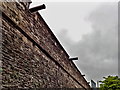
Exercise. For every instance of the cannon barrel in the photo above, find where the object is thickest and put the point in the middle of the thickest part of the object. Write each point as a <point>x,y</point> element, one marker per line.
<point>83,75</point>
<point>76,58</point>
<point>34,9</point>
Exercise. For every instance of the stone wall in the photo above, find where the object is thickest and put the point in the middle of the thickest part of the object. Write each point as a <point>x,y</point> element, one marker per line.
<point>32,57</point>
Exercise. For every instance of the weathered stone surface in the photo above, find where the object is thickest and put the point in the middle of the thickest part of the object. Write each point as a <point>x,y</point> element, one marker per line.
<point>31,55</point>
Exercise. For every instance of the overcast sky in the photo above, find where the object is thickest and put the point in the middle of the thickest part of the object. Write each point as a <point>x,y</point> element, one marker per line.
<point>88,30</point>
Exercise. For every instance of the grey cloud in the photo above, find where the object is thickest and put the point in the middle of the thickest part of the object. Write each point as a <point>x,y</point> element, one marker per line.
<point>97,51</point>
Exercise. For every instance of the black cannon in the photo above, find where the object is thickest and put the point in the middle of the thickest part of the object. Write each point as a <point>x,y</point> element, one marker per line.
<point>34,9</point>
<point>76,58</point>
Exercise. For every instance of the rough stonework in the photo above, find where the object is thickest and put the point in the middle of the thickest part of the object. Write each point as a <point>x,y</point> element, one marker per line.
<point>32,57</point>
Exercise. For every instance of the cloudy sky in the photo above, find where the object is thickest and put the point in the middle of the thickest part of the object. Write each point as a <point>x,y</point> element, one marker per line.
<point>88,30</point>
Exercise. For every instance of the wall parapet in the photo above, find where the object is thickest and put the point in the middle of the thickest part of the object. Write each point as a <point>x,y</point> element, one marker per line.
<point>35,29</point>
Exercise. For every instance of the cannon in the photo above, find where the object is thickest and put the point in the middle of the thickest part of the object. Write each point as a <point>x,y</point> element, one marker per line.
<point>35,9</point>
<point>76,58</point>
